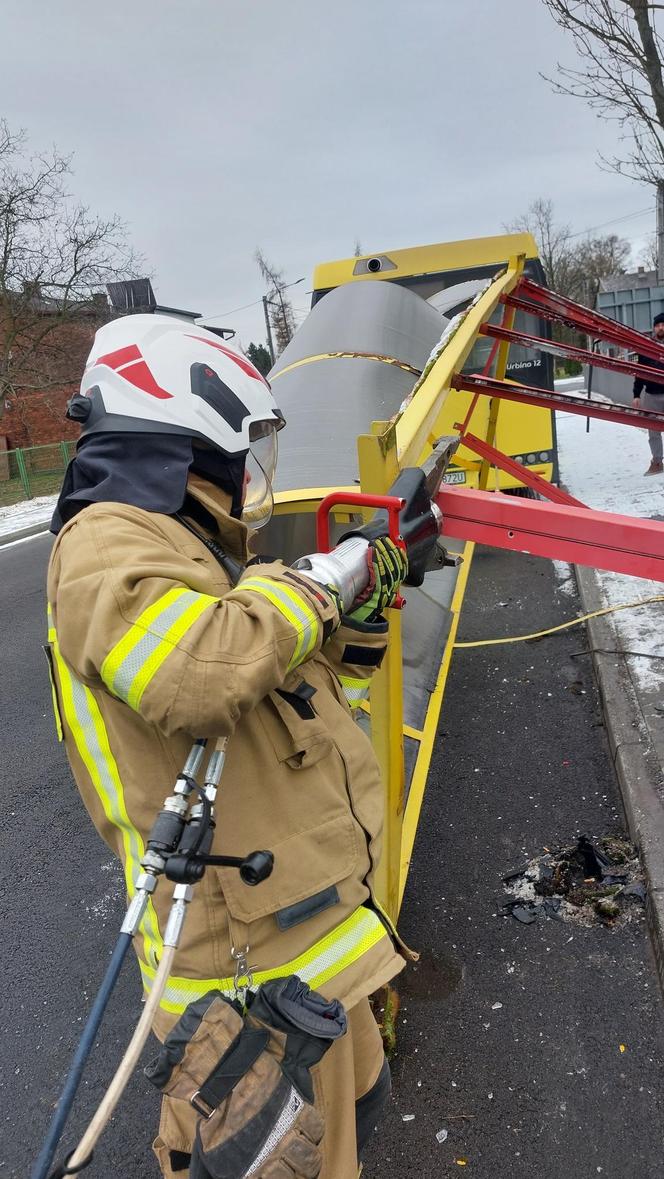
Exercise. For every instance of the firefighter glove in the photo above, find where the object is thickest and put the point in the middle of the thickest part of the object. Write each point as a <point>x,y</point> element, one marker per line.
<point>249,1078</point>
<point>388,566</point>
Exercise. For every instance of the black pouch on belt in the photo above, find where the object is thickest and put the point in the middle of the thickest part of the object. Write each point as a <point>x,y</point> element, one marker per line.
<point>249,1078</point>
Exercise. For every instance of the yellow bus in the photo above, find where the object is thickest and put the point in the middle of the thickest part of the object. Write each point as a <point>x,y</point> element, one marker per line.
<point>448,275</point>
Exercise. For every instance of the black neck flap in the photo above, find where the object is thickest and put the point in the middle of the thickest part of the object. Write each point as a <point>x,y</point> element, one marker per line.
<point>146,471</point>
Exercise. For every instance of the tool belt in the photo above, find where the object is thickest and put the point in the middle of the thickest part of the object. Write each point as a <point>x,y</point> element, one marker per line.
<point>248,1076</point>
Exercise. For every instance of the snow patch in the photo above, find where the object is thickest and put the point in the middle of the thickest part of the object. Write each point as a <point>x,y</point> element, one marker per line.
<point>604,469</point>
<point>566,578</point>
<point>14,517</point>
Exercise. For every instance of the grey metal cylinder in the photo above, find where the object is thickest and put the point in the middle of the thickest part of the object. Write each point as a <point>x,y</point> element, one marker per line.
<point>353,361</point>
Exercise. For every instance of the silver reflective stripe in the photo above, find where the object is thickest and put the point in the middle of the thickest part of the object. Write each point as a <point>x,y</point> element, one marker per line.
<point>286,1120</point>
<point>355,690</point>
<point>91,739</point>
<point>340,948</point>
<point>293,607</point>
<point>125,674</point>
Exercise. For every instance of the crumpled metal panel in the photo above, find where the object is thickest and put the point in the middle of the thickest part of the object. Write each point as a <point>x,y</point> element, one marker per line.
<point>329,402</point>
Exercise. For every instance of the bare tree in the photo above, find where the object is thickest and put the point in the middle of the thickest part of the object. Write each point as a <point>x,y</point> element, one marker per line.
<point>282,316</point>
<point>648,253</point>
<point>621,76</point>
<point>55,258</point>
<point>597,258</point>
<point>554,243</point>
<point>574,265</point>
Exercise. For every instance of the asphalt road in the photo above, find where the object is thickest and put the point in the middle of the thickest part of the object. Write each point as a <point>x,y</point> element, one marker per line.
<point>538,1086</point>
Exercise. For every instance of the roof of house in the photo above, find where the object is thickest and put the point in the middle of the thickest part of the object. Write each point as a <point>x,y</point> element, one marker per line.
<point>626,282</point>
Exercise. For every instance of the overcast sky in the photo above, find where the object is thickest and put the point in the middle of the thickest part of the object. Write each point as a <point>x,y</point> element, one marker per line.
<point>299,126</point>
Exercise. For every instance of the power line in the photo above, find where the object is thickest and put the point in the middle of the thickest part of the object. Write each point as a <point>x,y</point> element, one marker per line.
<point>615,221</point>
<point>225,314</point>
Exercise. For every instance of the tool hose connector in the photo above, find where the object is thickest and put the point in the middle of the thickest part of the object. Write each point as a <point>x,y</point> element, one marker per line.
<point>345,569</point>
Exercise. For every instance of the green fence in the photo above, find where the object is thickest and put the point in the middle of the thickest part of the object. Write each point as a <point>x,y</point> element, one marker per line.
<point>33,471</point>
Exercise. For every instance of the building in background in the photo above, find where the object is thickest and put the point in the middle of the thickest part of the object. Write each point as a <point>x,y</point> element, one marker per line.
<point>633,299</point>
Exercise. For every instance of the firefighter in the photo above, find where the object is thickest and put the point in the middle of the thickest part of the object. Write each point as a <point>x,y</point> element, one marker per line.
<point>155,641</point>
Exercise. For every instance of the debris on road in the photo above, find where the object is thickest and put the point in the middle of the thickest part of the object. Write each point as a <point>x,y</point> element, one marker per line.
<point>441,1136</point>
<point>593,881</point>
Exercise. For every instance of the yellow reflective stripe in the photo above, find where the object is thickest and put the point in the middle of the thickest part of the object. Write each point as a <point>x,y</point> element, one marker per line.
<point>136,658</point>
<point>292,607</point>
<point>91,738</point>
<point>122,649</point>
<point>327,958</point>
<point>168,644</point>
<point>355,690</point>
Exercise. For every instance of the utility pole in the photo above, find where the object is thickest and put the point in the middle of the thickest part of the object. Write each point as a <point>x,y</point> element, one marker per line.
<point>279,288</point>
<point>268,328</point>
<point>660,232</point>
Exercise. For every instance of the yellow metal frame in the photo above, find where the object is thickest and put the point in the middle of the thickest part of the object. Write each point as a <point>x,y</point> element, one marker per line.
<point>405,441</point>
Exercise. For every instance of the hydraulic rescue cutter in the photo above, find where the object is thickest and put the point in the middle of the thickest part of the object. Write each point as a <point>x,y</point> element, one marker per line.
<point>409,515</point>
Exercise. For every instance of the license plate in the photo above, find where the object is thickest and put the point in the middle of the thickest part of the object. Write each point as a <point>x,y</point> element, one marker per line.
<point>454,477</point>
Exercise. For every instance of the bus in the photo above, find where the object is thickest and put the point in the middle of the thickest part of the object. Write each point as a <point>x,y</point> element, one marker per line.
<point>448,275</point>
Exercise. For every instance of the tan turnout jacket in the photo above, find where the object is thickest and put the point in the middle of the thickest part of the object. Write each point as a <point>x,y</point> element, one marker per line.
<point>151,648</point>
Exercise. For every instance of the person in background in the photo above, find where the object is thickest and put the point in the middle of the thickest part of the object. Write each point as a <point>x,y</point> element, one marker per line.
<point>650,395</point>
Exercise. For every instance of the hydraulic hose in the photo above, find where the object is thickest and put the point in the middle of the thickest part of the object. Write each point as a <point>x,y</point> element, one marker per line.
<point>83,1050</point>
<point>83,1152</point>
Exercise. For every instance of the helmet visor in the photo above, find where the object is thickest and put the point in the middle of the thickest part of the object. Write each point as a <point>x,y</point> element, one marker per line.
<point>260,467</point>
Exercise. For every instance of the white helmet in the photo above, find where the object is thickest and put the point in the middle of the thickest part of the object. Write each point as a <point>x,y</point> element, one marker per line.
<point>157,374</point>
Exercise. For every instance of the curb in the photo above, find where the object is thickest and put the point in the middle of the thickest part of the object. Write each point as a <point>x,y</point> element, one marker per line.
<point>637,768</point>
<point>23,533</point>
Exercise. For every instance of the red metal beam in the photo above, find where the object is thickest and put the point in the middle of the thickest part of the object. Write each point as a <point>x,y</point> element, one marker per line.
<point>519,471</point>
<point>584,355</point>
<point>585,406</point>
<point>558,308</point>
<point>624,544</point>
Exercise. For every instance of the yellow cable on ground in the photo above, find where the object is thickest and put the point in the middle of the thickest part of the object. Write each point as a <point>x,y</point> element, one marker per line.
<point>540,634</point>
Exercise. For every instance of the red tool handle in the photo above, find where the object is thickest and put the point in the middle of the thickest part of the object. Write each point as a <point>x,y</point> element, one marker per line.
<point>392,504</point>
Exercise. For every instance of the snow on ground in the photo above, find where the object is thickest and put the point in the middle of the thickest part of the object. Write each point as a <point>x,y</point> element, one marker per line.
<point>566,578</point>
<point>604,469</point>
<point>569,384</point>
<point>28,512</point>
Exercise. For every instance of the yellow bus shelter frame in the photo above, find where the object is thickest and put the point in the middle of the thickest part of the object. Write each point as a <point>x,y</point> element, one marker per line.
<point>407,440</point>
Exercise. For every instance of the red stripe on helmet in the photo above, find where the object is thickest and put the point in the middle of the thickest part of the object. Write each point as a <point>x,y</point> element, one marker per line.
<point>242,362</point>
<point>129,363</point>
<point>139,374</point>
<point>120,356</point>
